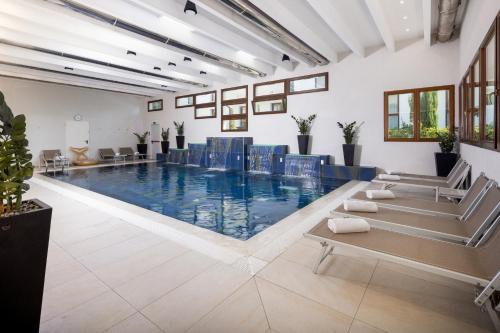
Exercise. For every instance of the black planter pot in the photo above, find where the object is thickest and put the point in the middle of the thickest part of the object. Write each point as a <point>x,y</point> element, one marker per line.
<point>180,141</point>
<point>24,241</point>
<point>348,154</point>
<point>142,148</point>
<point>303,144</point>
<point>164,146</point>
<point>444,163</point>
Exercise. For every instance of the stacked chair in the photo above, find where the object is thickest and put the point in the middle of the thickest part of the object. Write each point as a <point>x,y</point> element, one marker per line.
<point>456,240</point>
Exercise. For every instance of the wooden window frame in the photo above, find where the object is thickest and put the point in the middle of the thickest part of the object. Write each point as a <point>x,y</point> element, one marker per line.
<point>157,100</point>
<point>270,97</point>
<point>243,100</point>
<point>467,110</point>
<point>205,105</point>
<point>416,112</point>
<point>325,74</point>
<point>183,106</point>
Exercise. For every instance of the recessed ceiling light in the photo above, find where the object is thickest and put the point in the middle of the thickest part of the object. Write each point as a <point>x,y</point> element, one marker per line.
<point>156,68</point>
<point>131,52</point>
<point>407,29</point>
<point>203,72</point>
<point>405,17</point>
<point>402,2</point>
<point>187,59</point>
<point>68,68</point>
<point>190,8</point>
<point>172,64</point>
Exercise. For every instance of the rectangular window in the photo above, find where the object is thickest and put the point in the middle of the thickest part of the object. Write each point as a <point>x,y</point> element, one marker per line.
<point>430,110</point>
<point>308,83</point>
<point>490,87</point>
<point>184,101</point>
<point>475,101</point>
<point>269,97</point>
<point>266,89</point>
<point>205,112</point>
<point>234,103</point>
<point>155,105</point>
<point>205,105</point>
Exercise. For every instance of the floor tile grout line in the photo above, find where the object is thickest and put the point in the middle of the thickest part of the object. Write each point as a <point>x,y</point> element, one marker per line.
<point>262,302</point>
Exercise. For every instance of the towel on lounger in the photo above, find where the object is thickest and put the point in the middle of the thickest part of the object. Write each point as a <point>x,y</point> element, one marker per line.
<point>347,225</point>
<point>384,176</point>
<point>360,206</point>
<point>380,194</point>
<point>393,172</point>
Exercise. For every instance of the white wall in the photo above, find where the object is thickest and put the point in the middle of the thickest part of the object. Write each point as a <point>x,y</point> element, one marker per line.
<point>477,21</point>
<point>112,116</point>
<point>356,93</point>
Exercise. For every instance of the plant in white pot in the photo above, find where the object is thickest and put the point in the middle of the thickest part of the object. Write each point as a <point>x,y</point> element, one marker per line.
<point>304,125</point>
<point>348,148</point>
<point>179,127</point>
<point>24,229</point>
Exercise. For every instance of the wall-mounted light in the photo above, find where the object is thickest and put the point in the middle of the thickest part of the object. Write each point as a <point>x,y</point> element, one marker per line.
<point>131,52</point>
<point>203,72</point>
<point>172,64</point>
<point>187,59</point>
<point>68,68</point>
<point>190,8</point>
<point>156,68</point>
<point>285,58</point>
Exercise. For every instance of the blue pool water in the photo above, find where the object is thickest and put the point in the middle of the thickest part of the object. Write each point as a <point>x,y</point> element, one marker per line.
<point>234,203</point>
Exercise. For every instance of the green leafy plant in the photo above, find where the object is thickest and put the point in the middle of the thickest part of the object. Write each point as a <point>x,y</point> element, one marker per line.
<point>15,160</point>
<point>179,127</point>
<point>142,137</point>
<point>447,142</point>
<point>304,124</point>
<point>165,134</point>
<point>349,131</point>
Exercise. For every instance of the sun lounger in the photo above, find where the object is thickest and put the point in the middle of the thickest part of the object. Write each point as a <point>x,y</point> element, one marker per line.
<point>53,157</point>
<point>447,228</point>
<point>456,181</point>
<point>433,178</point>
<point>460,210</point>
<point>127,152</point>
<point>476,265</point>
<point>106,154</point>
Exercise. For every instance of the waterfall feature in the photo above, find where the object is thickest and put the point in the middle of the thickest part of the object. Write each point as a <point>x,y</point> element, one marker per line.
<point>302,165</point>
<point>219,150</point>
<point>196,154</point>
<point>261,158</point>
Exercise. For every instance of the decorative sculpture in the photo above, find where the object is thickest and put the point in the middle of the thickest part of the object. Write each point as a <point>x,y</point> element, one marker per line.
<point>82,159</point>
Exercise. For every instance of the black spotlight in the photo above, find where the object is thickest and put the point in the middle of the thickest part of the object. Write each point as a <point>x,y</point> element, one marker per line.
<point>68,68</point>
<point>203,72</point>
<point>190,8</point>
<point>187,59</point>
<point>164,86</point>
<point>156,68</point>
<point>285,58</point>
<point>131,52</point>
<point>172,64</point>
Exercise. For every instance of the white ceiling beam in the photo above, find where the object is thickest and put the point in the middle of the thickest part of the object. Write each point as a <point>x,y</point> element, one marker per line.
<point>377,12</point>
<point>427,21</point>
<point>335,20</point>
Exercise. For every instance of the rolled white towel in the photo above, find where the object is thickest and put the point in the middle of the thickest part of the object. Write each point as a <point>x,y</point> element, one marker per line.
<point>393,172</point>
<point>117,154</point>
<point>380,194</point>
<point>360,206</point>
<point>384,176</point>
<point>348,225</point>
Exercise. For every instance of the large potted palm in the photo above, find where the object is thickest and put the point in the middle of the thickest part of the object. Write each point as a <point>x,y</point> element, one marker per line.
<point>179,127</point>
<point>348,147</point>
<point>304,125</point>
<point>24,230</point>
<point>142,146</point>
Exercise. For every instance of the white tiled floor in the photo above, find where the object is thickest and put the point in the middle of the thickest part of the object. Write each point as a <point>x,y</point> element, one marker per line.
<point>105,275</point>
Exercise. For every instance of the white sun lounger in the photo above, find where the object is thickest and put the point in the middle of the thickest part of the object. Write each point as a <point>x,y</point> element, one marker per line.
<point>432,178</point>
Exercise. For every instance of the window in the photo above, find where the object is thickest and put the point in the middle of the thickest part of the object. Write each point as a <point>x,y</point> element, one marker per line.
<point>269,97</point>
<point>184,101</point>
<point>155,105</point>
<point>205,105</point>
<point>480,112</point>
<point>418,114</point>
<point>308,83</point>
<point>234,103</point>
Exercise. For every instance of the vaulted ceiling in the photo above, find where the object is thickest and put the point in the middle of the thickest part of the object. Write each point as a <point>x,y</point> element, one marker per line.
<point>148,47</point>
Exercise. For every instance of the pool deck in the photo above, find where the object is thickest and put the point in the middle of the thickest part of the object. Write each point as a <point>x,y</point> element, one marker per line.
<point>116,267</point>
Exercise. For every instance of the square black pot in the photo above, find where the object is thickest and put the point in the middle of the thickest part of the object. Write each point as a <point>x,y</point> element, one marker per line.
<point>444,163</point>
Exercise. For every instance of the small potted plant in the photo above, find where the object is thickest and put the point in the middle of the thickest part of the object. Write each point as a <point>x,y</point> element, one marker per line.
<point>348,147</point>
<point>304,125</point>
<point>164,140</point>
<point>24,229</point>
<point>142,146</point>
<point>446,159</point>
<point>179,127</point>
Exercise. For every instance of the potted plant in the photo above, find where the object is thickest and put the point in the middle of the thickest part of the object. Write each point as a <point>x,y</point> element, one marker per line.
<point>446,159</point>
<point>142,146</point>
<point>304,125</point>
<point>164,140</point>
<point>179,127</point>
<point>24,229</point>
<point>348,148</point>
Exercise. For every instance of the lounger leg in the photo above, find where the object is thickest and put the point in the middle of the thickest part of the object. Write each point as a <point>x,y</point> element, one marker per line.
<point>326,250</point>
<point>493,315</point>
<point>485,294</point>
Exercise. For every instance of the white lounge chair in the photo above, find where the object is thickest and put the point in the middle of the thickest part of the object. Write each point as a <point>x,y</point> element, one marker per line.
<point>432,178</point>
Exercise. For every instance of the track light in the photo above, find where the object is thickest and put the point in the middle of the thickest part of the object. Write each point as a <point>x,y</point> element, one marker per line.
<point>285,58</point>
<point>68,68</point>
<point>156,68</point>
<point>190,8</point>
<point>187,59</point>
<point>203,72</point>
<point>164,86</point>
<point>172,64</point>
<point>131,52</point>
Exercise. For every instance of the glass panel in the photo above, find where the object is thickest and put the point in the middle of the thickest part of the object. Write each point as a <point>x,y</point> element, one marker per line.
<point>434,113</point>
<point>205,98</point>
<point>400,122</point>
<point>276,105</point>
<point>475,120</point>
<point>234,124</point>
<point>157,105</point>
<point>205,112</point>
<point>234,109</point>
<point>313,83</point>
<point>185,101</point>
<point>489,116</point>
<point>234,94</point>
<point>476,85</point>
<point>270,89</point>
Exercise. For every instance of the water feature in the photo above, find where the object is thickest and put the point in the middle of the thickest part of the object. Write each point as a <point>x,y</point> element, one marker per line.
<point>302,165</point>
<point>197,154</point>
<point>260,158</point>
<point>218,150</point>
